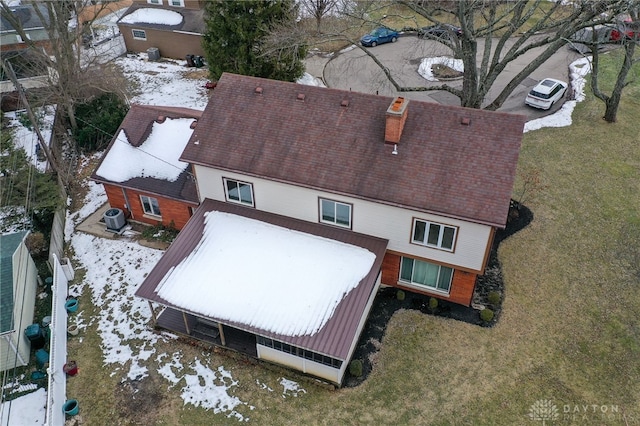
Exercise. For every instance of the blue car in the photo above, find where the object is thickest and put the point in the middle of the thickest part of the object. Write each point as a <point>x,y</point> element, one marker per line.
<point>378,36</point>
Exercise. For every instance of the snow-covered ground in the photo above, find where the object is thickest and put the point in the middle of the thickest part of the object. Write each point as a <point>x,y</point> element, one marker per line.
<point>115,268</point>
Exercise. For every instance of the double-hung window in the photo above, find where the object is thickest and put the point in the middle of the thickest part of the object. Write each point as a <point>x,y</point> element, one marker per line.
<point>335,212</point>
<point>426,274</point>
<point>154,1</point>
<point>139,34</point>
<point>177,3</point>
<point>238,192</point>
<point>150,205</point>
<point>433,234</point>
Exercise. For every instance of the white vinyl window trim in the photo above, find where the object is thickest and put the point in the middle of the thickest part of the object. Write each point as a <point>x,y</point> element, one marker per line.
<point>139,34</point>
<point>433,234</point>
<point>176,3</point>
<point>426,275</point>
<point>154,1</point>
<point>335,212</point>
<point>238,192</point>
<point>150,206</point>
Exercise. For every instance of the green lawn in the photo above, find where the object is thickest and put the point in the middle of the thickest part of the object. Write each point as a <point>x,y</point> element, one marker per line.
<point>569,331</point>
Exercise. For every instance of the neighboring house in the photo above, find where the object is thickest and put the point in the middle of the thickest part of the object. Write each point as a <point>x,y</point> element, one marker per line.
<point>18,285</point>
<point>174,27</point>
<point>15,50</point>
<point>141,171</point>
<point>419,189</point>
<point>11,40</point>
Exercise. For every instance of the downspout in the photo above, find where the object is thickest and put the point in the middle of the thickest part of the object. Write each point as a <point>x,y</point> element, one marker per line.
<point>126,200</point>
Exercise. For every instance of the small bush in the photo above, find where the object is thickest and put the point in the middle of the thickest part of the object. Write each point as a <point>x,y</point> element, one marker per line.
<point>486,314</point>
<point>433,304</point>
<point>36,244</point>
<point>160,232</point>
<point>400,295</point>
<point>494,297</point>
<point>355,368</point>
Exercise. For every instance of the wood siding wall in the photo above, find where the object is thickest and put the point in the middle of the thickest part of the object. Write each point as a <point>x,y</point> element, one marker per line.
<point>462,284</point>
<point>178,211</point>
<point>370,218</point>
<point>170,43</point>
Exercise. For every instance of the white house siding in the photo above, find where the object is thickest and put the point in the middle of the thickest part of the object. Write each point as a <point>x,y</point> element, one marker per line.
<point>384,221</point>
<point>306,366</point>
<point>24,290</point>
<point>25,279</point>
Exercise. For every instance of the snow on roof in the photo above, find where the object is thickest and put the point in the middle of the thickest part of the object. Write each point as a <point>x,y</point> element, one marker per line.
<point>265,276</point>
<point>156,157</point>
<point>152,16</point>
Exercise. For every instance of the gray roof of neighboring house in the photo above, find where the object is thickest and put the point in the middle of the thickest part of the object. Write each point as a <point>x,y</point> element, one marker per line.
<point>193,19</point>
<point>9,243</point>
<point>339,332</point>
<point>137,125</point>
<point>452,161</point>
<point>27,16</point>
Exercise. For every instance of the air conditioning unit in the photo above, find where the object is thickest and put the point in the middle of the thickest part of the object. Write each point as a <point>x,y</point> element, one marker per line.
<point>153,53</point>
<point>115,220</point>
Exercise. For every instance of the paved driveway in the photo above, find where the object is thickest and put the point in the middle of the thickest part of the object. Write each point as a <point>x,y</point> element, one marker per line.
<point>354,70</point>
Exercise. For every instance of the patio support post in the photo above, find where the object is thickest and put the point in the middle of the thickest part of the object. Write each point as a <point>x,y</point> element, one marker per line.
<point>222,340</point>
<point>186,324</point>
<point>153,314</point>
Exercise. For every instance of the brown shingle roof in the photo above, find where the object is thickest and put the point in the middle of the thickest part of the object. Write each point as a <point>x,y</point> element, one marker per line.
<point>137,125</point>
<point>443,166</point>
<point>339,332</point>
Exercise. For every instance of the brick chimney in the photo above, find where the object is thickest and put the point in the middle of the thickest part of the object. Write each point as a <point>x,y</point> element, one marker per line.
<point>395,118</point>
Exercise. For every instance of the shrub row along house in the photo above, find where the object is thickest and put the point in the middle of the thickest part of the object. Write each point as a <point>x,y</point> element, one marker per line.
<point>309,199</point>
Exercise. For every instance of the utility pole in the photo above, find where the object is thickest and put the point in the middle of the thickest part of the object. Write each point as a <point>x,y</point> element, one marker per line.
<point>23,97</point>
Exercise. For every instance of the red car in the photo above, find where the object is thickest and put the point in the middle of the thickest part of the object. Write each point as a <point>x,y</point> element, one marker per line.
<point>628,30</point>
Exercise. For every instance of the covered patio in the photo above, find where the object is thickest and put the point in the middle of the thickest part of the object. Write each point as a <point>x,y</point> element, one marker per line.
<point>216,334</point>
<point>218,284</point>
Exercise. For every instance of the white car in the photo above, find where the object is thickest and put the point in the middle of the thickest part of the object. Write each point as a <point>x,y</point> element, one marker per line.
<point>546,93</point>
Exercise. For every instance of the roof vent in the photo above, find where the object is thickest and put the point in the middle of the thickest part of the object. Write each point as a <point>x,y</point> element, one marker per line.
<point>258,91</point>
<point>161,119</point>
<point>344,103</point>
<point>193,124</point>
<point>465,121</point>
<point>301,97</point>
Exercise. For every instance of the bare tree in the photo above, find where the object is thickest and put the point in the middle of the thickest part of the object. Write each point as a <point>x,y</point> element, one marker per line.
<point>318,9</point>
<point>629,40</point>
<point>494,34</point>
<point>73,75</point>
<point>507,30</point>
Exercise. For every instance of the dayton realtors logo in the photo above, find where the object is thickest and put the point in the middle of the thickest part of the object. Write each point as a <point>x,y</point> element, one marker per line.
<point>544,410</point>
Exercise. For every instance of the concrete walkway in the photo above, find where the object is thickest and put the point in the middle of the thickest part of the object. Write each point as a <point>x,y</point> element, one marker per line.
<point>94,225</point>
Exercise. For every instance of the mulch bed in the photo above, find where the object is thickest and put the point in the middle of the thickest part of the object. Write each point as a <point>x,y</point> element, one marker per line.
<point>387,303</point>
